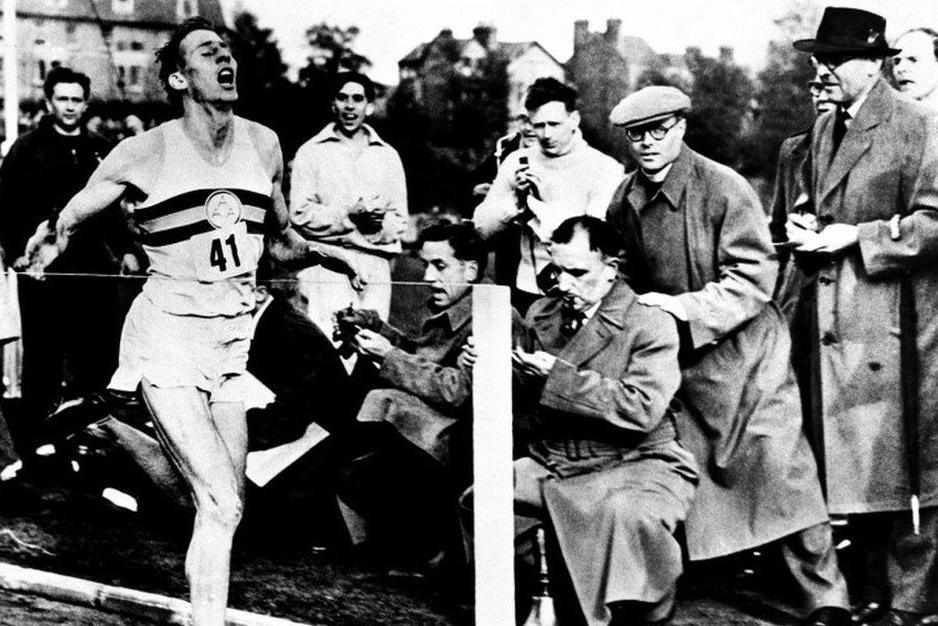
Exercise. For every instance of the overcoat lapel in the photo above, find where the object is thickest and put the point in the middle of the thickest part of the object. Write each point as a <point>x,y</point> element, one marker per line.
<point>595,334</point>
<point>856,141</point>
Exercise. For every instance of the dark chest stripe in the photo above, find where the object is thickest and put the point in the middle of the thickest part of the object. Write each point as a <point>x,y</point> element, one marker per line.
<point>182,233</point>
<point>197,198</point>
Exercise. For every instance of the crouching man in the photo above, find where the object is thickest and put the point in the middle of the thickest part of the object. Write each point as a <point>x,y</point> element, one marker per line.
<point>597,373</point>
<point>423,400</point>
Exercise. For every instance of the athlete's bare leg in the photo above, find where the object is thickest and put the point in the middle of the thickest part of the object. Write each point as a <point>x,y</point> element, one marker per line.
<point>209,446</point>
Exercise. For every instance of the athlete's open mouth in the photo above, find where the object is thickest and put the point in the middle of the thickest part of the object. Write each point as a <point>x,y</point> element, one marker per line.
<point>226,77</point>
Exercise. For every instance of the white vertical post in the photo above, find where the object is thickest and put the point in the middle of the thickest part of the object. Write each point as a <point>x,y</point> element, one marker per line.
<point>11,94</point>
<point>493,515</point>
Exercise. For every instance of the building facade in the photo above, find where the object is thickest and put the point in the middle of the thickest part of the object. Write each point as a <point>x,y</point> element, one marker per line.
<point>112,41</point>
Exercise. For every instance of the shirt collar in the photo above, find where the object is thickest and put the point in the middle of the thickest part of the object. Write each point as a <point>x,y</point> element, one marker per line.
<point>854,108</point>
<point>671,187</point>
<point>455,315</point>
<point>330,133</point>
<point>590,312</point>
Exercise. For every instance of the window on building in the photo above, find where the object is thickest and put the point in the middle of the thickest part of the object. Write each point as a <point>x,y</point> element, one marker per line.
<point>121,45</point>
<point>186,9</point>
<point>135,73</point>
<point>136,45</point>
<point>42,70</point>
<point>122,7</point>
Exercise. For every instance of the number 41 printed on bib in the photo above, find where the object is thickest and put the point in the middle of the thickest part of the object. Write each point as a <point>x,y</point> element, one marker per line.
<point>221,253</point>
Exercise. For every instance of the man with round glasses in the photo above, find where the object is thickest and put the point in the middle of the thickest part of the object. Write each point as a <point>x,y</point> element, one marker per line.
<point>698,247</point>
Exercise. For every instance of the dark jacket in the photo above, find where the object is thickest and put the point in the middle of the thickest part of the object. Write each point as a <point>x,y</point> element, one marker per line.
<point>41,173</point>
<point>295,360</point>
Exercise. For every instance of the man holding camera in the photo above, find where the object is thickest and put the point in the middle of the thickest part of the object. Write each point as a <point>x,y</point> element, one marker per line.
<point>538,188</point>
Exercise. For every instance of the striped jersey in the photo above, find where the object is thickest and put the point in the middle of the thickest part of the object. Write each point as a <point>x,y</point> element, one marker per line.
<point>202,225</point>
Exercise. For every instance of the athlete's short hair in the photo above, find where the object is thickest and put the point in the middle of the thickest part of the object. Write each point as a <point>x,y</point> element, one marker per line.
<point>170,57</point>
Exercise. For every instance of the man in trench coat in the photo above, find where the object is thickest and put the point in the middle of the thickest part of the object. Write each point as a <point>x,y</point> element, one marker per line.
<point>596,374</point>
<point>876,197</point>
<point>698,247</point>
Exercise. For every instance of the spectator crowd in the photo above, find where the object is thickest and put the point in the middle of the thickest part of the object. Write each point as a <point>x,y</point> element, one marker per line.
<point>695,375</point>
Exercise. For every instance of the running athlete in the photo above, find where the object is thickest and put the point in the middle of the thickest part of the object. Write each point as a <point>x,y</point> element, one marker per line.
<point>205,191</point>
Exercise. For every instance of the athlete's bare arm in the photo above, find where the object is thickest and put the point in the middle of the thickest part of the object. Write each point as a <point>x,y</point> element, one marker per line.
<point>284,243</point>
<point>122,168</point>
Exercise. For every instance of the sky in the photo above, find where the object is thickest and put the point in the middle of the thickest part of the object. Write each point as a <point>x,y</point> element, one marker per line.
<point>391,28</point>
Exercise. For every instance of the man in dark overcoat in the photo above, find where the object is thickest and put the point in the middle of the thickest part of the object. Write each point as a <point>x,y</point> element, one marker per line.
<point>875,233</point>
<point>597,373</point>
<point>698,247</point>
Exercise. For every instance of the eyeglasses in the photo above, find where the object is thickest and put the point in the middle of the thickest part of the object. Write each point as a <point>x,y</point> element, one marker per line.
<point>657,132</point>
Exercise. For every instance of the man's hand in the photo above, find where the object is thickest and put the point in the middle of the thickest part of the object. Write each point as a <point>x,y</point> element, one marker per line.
<point>333,259</point>
<point>537,363</point>
<point>130,265</point>
<point>528,180</point>
<point>668,304</point>
<point>469,355</point>
<point>41,250</point>
<point>833,238</point>
<point>368,215</point>
<point>370,343</point>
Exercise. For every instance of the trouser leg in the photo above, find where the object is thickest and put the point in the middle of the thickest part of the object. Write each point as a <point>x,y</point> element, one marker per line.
<point>871,532</point>
<point>913,562</point>
<point>812,561</point>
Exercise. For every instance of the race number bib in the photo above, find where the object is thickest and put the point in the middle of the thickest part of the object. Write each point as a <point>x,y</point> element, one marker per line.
<point>221,253</point>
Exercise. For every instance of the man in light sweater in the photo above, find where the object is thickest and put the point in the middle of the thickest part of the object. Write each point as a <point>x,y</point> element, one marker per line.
<point>539,187</point>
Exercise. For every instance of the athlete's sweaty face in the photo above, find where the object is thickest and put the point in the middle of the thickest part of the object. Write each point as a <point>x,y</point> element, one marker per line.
<point>210,70</point>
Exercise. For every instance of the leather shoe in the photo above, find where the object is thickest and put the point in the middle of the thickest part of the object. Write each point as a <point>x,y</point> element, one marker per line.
<point>868,613</point>
<point>829,616</point>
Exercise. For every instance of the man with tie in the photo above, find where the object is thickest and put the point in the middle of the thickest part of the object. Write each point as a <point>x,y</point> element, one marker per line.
<point>698,247</point>
<point>596,373</point>
<point>875,240</point>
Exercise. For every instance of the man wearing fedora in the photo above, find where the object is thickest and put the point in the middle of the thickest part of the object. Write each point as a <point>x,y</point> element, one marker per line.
<point>698,247</point>
<point>874,240</point>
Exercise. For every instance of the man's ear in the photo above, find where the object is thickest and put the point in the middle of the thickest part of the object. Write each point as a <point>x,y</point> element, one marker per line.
<point>575,118</point>
<point>369,109</point>
<point>612,268</point>
<point>178,81</point>
<point>470,271</point>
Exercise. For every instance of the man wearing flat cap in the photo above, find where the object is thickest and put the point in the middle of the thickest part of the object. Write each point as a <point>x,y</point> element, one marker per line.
<point>698,247</point>
<point>874,237</point>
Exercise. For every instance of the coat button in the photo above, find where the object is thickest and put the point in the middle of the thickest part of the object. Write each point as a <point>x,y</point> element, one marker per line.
<point>828,338</point>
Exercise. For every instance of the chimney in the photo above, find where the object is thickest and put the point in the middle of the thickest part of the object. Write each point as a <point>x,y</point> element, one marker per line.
<point>726,55</point>
<point>485,34</point>
<point>612,30</point>
<point>581,31</point>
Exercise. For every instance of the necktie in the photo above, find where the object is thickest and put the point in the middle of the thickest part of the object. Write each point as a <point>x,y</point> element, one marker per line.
<point>573,321</point>
<point>840,129</point>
